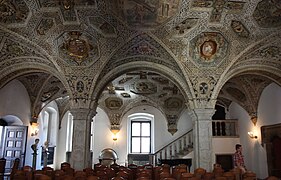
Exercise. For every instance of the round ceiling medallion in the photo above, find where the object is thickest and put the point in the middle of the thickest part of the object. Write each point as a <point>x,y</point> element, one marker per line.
<point>208,49</point>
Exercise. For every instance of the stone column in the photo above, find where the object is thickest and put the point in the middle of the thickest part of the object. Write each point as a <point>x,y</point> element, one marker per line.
<point>81,155</point>
<point>202,134</point>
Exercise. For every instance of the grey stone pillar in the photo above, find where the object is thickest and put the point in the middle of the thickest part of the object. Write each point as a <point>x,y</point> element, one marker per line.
<point>202,134</point>
<point>81,155</point>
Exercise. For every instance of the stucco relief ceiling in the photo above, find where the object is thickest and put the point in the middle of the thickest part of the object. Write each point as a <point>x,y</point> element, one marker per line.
<point>198,39</point>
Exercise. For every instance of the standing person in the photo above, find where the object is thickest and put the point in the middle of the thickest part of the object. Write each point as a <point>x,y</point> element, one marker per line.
<point>238,158</point>
<point>34,154</point>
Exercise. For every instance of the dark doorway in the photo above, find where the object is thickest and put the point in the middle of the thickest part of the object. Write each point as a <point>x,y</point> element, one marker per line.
<point>276,156</point>
<point>225,160</point>
<point>219,114</point>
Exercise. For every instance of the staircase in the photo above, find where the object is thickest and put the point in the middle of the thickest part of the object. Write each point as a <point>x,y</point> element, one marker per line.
<point>175,150</point>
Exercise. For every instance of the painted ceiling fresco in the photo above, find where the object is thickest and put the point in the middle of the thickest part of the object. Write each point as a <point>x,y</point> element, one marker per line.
<point>170,54</point>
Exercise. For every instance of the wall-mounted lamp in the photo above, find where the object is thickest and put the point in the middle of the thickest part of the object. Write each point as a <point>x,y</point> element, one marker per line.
<point>114,129</point>
<point>34,128</point>
<point>251,134</point>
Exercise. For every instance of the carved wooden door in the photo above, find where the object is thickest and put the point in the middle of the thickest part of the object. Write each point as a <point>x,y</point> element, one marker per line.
<point>14,145</point>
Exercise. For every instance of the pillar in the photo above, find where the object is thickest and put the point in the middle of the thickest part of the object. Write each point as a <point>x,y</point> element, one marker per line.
<point>81,155</point>
<point>202,134</point>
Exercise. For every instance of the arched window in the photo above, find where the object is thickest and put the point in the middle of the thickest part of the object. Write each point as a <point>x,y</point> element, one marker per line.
<point>141,133</point>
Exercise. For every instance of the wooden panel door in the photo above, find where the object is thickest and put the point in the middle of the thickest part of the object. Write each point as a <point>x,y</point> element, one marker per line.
<point>14,145</point>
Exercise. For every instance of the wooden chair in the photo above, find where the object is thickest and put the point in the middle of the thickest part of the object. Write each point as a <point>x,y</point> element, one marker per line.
<point>229,175</point>
<point>272,178</point>
<point>19,175</point>
<point>15,167</point>
<point>80,174</point>
<point>89,171</point>
<point>249,175</point>
<point>134,168</point>
<point>28,170</point>
<point>117,178</point>
<point>220,178</point>
<point>115,167</point>
<point>209,176</point>
<point>165,174</point>
<point>59,174</point>
<point>2,167</point>
<point>123,173</point>
<point>102,175</point>
<point>64,165</point>
<point>43,177</point>
<point>177,171</point>
<point>143,178</point>
<point>93,178</point>
<point>199,172</point>
<point>186,176</point>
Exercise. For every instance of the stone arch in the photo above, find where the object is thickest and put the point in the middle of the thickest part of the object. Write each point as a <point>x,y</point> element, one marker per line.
<point>9,73</point>
<point>12,120</point>
<point>153,52</point>
<point>162,70</point>
<point>33,48</point>
<point>271,73</point>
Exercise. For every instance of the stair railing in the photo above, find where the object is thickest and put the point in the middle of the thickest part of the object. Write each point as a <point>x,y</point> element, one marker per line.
<point>171,150</point>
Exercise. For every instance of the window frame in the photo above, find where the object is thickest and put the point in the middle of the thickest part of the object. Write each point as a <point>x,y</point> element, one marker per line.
<point>150,137</point>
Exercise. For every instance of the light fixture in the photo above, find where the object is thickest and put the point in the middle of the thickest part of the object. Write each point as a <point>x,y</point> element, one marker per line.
<point>114,129</point>
<point>34,128</point>
<point>251,134</point>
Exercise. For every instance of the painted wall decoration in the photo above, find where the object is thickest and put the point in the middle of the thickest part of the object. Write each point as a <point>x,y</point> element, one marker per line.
<point>239,29</point>
<point>113,103</point>
<point>173,103</point>
<point>268,13</point>
<point>145,13</point>
<point>102,26</point>
<point>208,48</point>
<point>44,26</point>
<point>143,87</point>
<point>218,7</point>
<point>13,11</point>
<point>77,48</point>
<point>184,26</point>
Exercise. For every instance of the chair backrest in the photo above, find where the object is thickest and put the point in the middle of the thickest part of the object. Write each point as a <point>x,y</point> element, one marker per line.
<point>2,166</point>
<point>64,165</point>
<point>15,167</point>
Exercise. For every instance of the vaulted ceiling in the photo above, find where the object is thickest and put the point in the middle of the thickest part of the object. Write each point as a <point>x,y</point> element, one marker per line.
<point>220,49</point>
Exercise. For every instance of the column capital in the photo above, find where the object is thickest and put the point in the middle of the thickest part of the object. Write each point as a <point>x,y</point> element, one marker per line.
<point>82,113</point>
<point>202,114</point>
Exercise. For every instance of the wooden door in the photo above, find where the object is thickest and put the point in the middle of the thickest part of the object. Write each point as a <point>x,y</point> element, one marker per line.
<point>14,145</point>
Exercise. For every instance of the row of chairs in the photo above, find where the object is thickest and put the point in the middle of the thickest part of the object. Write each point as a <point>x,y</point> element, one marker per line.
<point>132,172</point>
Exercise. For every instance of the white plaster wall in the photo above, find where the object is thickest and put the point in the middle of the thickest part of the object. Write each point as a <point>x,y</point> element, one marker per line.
<point>61,142</point>
<point>15,101</point>
<point>53,130</point>
<point>268,113</point>
<point>103,135</point>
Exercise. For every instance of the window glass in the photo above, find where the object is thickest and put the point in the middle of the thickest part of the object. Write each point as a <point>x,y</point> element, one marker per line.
<point>145,145</point>
<point>145,130</point>
<point>135,145</point>
<point>135,129</point>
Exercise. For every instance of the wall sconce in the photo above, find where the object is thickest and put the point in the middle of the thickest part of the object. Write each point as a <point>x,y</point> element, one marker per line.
<point>251,134</point>
<point>35,129</point>
<point>114,129</point>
